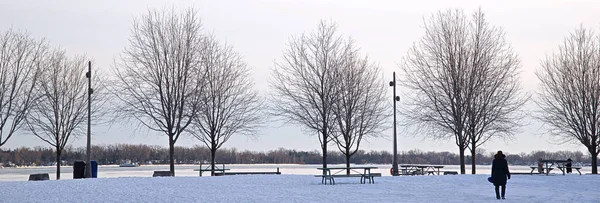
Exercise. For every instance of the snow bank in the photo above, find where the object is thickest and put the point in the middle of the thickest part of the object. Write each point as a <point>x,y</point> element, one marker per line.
<point>304,188</point>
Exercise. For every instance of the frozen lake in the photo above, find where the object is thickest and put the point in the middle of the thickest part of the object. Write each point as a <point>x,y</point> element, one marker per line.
<point>113,171</point>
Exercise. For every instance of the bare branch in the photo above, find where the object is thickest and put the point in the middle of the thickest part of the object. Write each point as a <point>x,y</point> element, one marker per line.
<point>21,58</point>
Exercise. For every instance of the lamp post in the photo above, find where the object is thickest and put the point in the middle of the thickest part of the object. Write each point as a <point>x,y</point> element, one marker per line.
<point>88,155</point>
<point>395,98</point>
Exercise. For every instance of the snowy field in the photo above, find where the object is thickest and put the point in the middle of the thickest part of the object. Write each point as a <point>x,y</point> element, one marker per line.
<point>304,188</point>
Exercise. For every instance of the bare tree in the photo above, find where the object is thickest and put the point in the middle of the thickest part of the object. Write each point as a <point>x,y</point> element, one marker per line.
<point>61,111</point>
<point>360,109</point>
<point>494,109</point>
<point>305,82</point>
<point>570,91</point>
<point>21,57</point>
<point>159,77</point>
<point>463,81</point>
<point>229,105</point>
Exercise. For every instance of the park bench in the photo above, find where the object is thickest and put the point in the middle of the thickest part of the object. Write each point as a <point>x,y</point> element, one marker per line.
<point>450,172</point>
<point>39,176</point>
<point>162,174</point>
<point>249,173</point>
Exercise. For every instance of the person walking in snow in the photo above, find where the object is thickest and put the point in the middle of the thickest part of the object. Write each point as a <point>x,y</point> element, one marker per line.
<point>500,173</point>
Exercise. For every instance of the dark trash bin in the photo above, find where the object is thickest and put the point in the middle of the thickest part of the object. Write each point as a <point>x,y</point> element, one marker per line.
<point>78,169</point>
<point>94,164</point>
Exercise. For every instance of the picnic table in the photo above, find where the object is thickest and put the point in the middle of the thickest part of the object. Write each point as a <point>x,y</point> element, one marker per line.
<point>363,172</point>
<point>419,169</point>
<point>549,165</point>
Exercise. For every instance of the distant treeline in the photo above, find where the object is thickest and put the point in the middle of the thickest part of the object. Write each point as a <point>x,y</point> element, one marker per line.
<point>143,154</point>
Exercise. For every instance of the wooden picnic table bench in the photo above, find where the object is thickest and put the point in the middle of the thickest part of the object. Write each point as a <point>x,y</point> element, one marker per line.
<point>547,169</point>
<point>564,168</point>
<point>364,175</point>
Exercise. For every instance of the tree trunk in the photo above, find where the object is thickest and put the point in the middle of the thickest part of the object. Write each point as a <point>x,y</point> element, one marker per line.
<point>595,163</point>
<point>461,156</point>
<point>171,155</point>
<point>324,133</point>
<point>348,161</point>
<point>58,154</point>
<point>594,152</point>
<point>213,152</point>
<point>473,158</point>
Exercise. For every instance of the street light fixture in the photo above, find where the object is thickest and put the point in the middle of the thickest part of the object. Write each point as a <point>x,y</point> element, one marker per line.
<point>395,98</point>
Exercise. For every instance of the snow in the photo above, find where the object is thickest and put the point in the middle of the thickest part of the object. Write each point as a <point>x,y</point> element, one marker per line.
<point>304,188</point>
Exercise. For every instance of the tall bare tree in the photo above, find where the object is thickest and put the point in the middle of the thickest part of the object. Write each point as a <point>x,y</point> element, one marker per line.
<point>360,111</point>
<point>229,105</point>
<point>305,82</point>
<point>61,111</point>
<point>21,58</point>
<point>497,97</point>
<point>463,82</point>
<point>570,91</point>
<point>159,77</point>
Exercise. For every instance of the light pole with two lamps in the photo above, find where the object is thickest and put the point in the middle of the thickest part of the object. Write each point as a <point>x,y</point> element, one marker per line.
<point>396,98</point>
<point>88,153</point>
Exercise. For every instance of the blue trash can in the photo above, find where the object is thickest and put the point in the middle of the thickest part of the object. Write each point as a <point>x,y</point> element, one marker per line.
<point>94,168</point>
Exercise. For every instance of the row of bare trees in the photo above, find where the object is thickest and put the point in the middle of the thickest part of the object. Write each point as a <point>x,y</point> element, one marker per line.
<point>461,82</point>
<point>175,78</point>
<point>42,90</point>
<point>324,84</point>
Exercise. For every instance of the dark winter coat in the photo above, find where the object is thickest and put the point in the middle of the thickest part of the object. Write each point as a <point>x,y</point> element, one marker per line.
<point>500,170</point>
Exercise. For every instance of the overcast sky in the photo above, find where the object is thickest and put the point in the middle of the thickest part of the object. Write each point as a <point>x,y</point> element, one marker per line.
<point>259,30</point>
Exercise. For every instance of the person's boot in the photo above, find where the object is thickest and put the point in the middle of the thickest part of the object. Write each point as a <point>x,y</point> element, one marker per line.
<point>503,191</point>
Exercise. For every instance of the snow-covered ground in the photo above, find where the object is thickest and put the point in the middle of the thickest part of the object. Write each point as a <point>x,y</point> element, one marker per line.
<point>304,188</point>
<point>114,171</point>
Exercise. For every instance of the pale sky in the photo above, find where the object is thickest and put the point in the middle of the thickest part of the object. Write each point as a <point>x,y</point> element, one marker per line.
<point>259,30</point>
